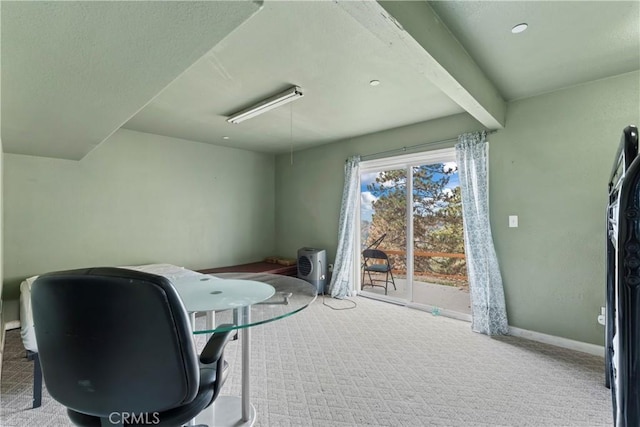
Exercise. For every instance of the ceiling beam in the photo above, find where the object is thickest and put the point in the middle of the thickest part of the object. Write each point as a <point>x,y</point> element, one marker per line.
<point>414,29</point>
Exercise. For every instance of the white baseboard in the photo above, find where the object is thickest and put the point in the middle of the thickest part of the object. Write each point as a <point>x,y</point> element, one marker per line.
<point>12,324</point>
<point>596,350</point>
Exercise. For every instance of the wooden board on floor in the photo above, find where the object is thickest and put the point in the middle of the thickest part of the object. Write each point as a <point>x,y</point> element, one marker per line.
<point>255,267</point>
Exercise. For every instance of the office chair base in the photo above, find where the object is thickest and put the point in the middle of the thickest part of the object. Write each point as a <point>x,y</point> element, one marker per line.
<point>226,411</point>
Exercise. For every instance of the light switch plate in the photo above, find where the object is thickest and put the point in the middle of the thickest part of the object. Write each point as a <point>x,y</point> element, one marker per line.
<point>513,221</point>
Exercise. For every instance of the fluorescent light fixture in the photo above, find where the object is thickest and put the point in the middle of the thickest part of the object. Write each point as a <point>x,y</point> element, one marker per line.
<point>275,101</point>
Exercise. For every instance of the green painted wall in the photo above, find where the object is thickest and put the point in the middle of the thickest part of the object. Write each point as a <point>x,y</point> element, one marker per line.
<point>308,192</point>
<point>137,198</point>
<point>550,166</point>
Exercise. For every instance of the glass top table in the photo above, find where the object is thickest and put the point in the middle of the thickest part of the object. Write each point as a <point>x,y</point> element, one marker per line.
<point>268,297</point>
<point>240,301</point>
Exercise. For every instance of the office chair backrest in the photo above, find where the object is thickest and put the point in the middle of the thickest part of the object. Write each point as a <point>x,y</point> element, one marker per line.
<point>114,340</point>
<point>374,254</point>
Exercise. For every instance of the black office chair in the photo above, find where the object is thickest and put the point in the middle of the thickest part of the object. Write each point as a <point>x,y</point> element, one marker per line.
<point>372,263</point>
<point>116,349</point>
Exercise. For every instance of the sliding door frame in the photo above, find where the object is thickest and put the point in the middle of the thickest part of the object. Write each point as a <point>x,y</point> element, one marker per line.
<point>407,162</point>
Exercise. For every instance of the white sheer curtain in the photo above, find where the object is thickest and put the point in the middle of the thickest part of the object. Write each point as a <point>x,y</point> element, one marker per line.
<point>488,310</point>
<point>341,281</point>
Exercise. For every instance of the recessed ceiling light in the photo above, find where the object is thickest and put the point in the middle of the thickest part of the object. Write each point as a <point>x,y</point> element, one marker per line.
<point>519,28</point>
<point>225,137</point>
<point>374,82</point>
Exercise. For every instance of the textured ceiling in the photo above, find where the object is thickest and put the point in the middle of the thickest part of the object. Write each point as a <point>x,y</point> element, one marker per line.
<point>567,42</point>
<point>75,72</point>
<point>315,45</point>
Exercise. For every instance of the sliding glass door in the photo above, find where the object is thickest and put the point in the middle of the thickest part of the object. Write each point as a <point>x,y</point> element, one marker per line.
<point>383,225</point>
<point>411,210</point>
<point>439,267</point>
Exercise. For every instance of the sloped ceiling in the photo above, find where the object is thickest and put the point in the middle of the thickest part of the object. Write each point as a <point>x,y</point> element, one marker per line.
<point>74,72</point>
<point>320,46</point>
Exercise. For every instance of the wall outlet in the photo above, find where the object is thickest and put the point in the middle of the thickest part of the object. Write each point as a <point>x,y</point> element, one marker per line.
<point>513,221</point>
<point>330,267</point>
<point>601,318</point>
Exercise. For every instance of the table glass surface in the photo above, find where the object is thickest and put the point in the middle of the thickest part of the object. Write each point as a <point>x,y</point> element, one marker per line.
<point>267,297</point>
<point>207,293</point>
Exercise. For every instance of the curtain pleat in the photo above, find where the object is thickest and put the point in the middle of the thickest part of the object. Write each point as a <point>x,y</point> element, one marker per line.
<point>341,281</point>
<point>488,309</point>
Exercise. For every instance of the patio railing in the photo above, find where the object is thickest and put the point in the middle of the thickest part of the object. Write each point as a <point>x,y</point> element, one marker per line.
<point>429,255</point>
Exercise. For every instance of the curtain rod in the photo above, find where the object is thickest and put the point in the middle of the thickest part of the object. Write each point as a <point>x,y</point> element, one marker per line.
<point>413,147</point>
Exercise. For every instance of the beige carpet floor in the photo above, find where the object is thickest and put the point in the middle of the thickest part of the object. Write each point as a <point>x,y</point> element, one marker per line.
<point>380,365</point>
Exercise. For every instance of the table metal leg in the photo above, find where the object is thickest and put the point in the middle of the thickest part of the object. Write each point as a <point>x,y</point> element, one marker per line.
<point>192,317</point>
<point>234,411</point>
<point>210,323</point>
<point>246,359</point>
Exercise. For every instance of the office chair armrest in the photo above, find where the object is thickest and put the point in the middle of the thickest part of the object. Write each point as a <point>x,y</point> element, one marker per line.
<point>215,346</point>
